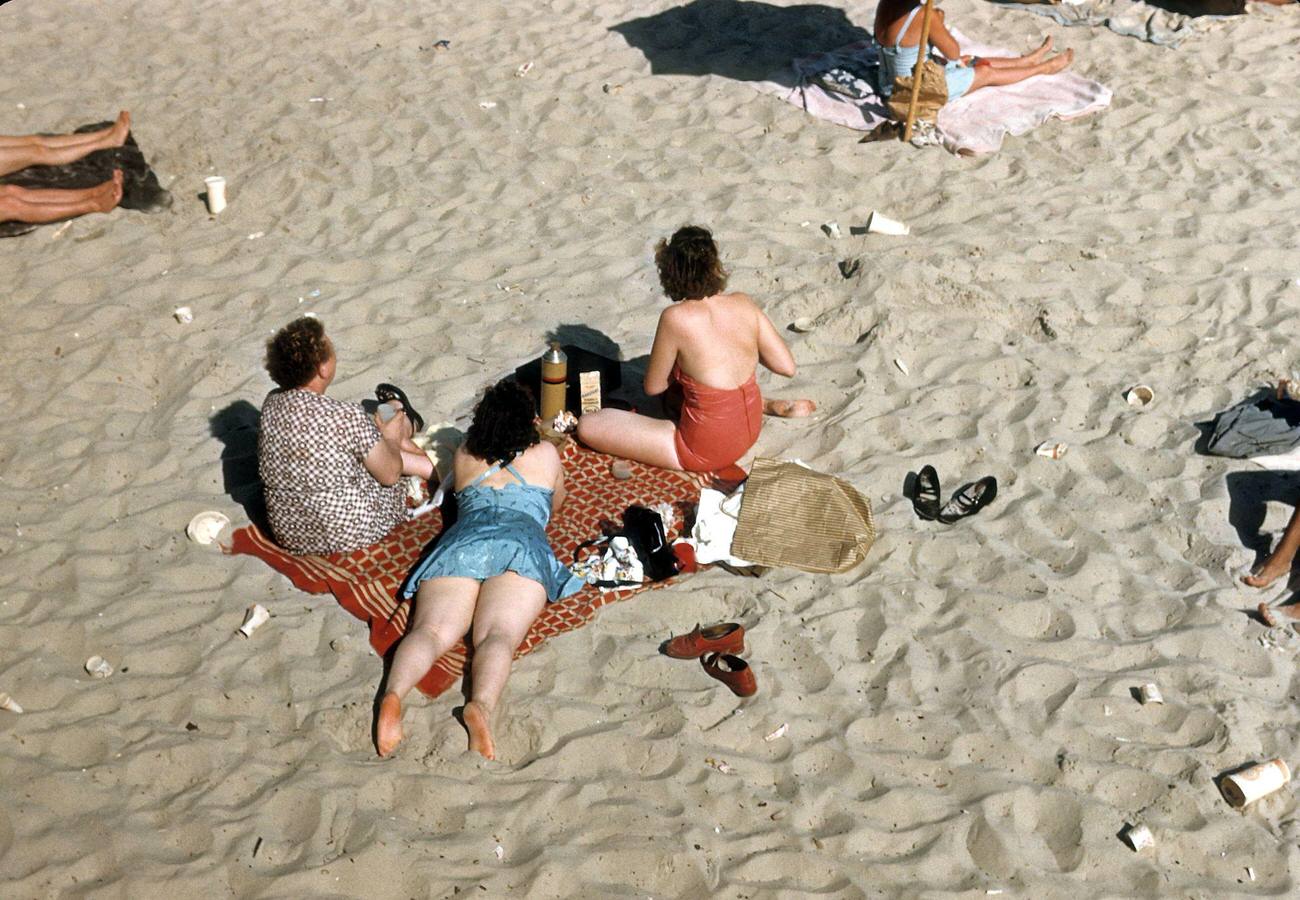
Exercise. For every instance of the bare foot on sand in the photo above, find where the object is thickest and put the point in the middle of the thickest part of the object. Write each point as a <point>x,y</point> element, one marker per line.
<point>1058,63</point>
<point>1268,573</point>
<point>1043,49</point>
<point>480,735</point>
<point>790,409</point>
<point>116,134</point>
<point>1274,616</point>
<point>112,192</point>
<point>388,730</point>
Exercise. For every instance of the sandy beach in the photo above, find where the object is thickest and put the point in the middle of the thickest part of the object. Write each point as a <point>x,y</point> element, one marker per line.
<point>960,722</point>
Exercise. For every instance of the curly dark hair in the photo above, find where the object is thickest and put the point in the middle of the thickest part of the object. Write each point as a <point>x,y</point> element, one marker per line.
<point>689,268</point>
<point>503,423</point>
<point>296,352</point>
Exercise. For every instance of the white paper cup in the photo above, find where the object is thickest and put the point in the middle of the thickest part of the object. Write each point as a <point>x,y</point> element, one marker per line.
<point>879,224</point>
<point>254,619</point>
<point>1139,396</point>
<point>216,195</point>
<point>1248,785</point>
<point>1150,693</point>
<point>1139,837</point>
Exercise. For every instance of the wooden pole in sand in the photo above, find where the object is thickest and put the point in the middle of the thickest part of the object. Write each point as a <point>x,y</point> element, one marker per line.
<point>922,53</point>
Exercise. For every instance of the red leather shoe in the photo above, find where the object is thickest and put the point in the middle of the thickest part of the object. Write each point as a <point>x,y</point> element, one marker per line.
<point>732,671</point>
<point>725,638</point>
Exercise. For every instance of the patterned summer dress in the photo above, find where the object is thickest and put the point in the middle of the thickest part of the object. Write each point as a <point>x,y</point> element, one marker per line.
<point>319,496</point>
<point>498,530</point>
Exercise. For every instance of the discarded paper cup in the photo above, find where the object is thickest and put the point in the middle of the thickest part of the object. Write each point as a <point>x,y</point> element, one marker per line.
<point>1248,785</point>
<point>832,230</point>
<point>9,703</point>
<point>216,195</point>
<point>183,314</point>
<point>1139,837</point>
<point>878,224</point>
<point>98,667</point>
<point>254,619</point>
<point>205,527</point>
<point>1051,449</point>
<point>1150,693</point>
<point>1139,396</point>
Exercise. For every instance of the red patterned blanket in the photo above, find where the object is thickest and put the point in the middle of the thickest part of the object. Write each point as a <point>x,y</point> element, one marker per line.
<point>365,581</point>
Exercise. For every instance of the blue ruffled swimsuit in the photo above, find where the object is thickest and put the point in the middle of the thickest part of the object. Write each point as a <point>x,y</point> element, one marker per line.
<point>897,59</point>
<point>498,530</point>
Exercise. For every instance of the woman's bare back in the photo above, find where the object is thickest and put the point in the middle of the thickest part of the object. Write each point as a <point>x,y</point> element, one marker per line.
<point>717,338</point>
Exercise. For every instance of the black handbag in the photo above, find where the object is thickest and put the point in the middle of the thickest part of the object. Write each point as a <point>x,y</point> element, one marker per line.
<point>644,530</point>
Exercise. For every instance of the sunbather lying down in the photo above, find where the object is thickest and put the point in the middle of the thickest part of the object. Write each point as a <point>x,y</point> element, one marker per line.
<point>898,33</point>
<point>36,205</point>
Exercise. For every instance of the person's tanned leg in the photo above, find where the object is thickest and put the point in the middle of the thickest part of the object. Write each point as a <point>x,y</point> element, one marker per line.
<point>631,436</point>
<point>444,608</point>
<point>1280,560</point>
<point>59,149</point>
<point>508,605</point>
<point>39,206</point>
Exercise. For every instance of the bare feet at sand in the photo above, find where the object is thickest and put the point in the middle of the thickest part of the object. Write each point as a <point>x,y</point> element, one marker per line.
<point>111,192</point>
<point>115,135</point>
<point>480,735</point>
<point>1058,63</point>
<point>1276,615</point>
<point>1268,573</point>
<point>790,409</point>
<point>1043,49</point>
<point>388,730</point>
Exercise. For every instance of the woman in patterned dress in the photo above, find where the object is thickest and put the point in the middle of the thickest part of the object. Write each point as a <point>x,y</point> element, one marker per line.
<point>332,472</point>
<point>492,571</point>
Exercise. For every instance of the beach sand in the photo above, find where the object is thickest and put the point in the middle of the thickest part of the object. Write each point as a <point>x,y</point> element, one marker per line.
<point>959,709</point>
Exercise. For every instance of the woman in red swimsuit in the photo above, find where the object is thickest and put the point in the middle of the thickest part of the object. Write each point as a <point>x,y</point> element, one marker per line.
<point>707,346</point>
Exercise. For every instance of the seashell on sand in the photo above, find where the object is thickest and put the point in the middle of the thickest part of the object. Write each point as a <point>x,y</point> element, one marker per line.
<point>183,314</point>
<point>804,324</point>
<point>254,619</point>
<point>98,667</point>
<point>9,703</point>
<point>206,527</point>
<point>780,732</point>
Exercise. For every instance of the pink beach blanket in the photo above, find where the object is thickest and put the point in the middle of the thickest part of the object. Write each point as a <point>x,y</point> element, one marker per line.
<point>975,123</point>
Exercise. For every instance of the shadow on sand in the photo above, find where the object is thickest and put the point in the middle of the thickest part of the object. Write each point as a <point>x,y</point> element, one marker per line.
<point>738,39</point>
<point>236,427</point>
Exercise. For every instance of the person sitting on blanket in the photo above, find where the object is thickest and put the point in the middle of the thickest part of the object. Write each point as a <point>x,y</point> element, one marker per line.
<point>491,572</point>
<point>707,348</point>
<point>898,33</point>
<point>36,205</point>
<point>332,473</point>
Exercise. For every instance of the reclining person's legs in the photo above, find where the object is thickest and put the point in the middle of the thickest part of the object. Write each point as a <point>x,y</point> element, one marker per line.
<point>59,149</point>
<point>38,205</point>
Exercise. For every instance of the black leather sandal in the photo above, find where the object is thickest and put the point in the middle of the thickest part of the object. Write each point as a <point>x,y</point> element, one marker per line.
<point>386,393</point>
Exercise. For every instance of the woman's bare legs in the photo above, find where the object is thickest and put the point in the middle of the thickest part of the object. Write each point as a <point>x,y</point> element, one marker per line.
<point>56,150</point>
<point>39,205</point>
<point>631,436</point>
<point>508,605</point>
<point>1016,62</point>
<point>994,76</point>
<point>444,609</point>
<point>1280,560</point>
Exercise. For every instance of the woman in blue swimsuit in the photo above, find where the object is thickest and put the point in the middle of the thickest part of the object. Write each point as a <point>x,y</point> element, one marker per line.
<point>898,34</point>
<point>492,571</point>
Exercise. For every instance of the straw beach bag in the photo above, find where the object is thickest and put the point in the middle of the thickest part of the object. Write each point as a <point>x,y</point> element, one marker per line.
<point>793,516</point>
<point>934,93</point>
